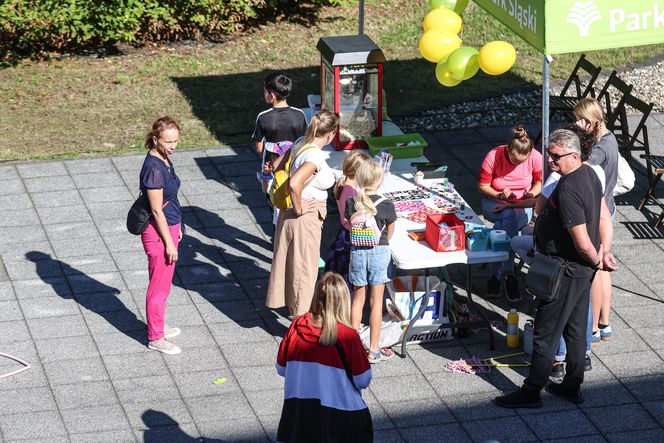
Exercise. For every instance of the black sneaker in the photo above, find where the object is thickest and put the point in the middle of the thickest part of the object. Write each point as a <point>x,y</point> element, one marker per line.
<point>519,399</point>
<point>512,287</point>
<point>588,366</point>
<point>572,395</point>
<point>558,370</point>
<point>493,287</point>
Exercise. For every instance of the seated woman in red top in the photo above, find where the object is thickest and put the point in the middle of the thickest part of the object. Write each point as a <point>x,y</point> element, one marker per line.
<point>510,179</point>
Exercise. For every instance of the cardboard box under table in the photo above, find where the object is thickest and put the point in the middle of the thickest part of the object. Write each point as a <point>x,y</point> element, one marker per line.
<point>407,295</point>
<point>409,254</point>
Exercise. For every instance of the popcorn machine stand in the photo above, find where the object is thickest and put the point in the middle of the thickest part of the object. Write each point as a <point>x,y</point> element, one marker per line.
<point>351,85</point>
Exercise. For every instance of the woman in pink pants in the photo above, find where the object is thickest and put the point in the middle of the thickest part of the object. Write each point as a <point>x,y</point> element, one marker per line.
<point>160,239</point>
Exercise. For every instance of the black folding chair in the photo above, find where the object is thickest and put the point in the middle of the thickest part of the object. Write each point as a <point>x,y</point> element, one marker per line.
<point>576,87</point>
<point>567,99</point>
<point>612,96</point>
<point>635,139</point>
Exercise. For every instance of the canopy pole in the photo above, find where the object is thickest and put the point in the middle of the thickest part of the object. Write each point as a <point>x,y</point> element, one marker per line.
<point>545,111</point>
<point>361,31</point>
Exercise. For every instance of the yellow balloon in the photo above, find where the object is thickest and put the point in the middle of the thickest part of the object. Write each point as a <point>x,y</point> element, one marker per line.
<point>443,18</point>
<point>496,57</point>
<point>436,44</point>
<point>444,76</point>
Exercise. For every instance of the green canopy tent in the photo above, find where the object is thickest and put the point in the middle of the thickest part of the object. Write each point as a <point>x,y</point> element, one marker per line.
<point>567,26</point>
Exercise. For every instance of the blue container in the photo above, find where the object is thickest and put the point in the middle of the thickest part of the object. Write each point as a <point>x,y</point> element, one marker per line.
<point>477,241</point>
<point>501,245</point>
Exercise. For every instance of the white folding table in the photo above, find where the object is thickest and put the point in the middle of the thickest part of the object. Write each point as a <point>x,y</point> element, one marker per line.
<point>409,254</point>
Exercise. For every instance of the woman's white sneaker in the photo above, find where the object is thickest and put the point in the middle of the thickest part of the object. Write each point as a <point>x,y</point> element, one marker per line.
<point>164,346</point>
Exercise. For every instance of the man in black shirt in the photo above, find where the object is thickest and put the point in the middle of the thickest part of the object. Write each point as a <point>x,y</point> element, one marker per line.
<point>576,226</point>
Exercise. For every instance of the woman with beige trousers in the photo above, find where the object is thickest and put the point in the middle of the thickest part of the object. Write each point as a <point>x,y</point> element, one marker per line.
<point>298,233</point>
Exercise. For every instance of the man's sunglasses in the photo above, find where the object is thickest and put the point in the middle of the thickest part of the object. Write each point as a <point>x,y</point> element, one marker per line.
<point>557,157</point>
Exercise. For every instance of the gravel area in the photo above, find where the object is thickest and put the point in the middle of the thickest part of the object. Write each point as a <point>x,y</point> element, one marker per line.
<point>648,81</point>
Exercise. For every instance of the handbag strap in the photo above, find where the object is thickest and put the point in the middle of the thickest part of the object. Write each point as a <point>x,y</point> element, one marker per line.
<point>144,195</point>
<point>294,155</point>
<point>376,203</point>
<point>349,373</point>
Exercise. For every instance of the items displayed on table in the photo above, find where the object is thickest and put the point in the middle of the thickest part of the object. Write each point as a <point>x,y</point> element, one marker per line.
<point>411,194</point>
<point>421,215</point>
<point>407,206</point>
<point>458,231</point>
<point>415,204</point>
<point>384,159</point>
<point>445,233</point>
<point>438,173</point>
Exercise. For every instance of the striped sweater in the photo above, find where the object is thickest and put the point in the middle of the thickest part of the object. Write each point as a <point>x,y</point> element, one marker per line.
<point>320,403</point>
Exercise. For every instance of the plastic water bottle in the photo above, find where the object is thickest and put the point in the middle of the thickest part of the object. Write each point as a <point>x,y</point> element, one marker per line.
<point>463,317</point>
<point>528,331</point>
<point>512,329</point>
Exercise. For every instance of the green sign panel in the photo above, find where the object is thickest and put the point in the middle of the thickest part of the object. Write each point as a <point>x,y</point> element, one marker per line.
<point>562,26</point>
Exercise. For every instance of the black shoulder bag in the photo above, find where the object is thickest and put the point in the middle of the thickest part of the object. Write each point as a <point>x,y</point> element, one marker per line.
<point>545,275</point>
<point>139,215</point>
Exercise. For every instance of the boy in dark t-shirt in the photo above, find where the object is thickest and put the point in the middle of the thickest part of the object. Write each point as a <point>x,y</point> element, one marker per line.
<point>278,127</point>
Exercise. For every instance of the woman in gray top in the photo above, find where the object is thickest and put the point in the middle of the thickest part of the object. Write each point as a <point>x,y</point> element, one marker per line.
<point>590,116</point>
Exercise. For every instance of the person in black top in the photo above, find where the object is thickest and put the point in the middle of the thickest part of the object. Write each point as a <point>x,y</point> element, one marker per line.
<point>576,226</point>
<point>276,128</point>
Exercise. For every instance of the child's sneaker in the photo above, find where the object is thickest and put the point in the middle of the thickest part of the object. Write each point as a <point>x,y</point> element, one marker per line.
<point>595,338</point>
<point>605,333</point>
<point>382,355</point>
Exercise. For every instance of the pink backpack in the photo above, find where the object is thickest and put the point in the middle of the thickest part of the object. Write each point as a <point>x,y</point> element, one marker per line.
<point>364,228</point>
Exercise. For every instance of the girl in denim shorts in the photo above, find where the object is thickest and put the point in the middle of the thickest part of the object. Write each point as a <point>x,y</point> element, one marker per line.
<point>370,265</point>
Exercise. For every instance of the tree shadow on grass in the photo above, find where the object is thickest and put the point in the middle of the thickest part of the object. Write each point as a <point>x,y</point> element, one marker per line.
<point>90,293</point>
<point>228,104</point>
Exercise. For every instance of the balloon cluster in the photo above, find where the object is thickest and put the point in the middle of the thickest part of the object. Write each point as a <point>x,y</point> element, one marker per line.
<point>441,44</point>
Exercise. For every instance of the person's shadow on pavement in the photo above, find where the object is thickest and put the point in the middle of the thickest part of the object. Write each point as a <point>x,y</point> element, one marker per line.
<point>162,428</point>
<point>92,294</point>
<point>235,249</point>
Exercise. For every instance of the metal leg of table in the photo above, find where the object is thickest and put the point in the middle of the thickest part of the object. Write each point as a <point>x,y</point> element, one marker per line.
<point>425,302</point>
<point>471,304</point>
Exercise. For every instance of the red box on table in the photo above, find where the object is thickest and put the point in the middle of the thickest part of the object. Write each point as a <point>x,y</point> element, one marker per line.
<point>445,239</point>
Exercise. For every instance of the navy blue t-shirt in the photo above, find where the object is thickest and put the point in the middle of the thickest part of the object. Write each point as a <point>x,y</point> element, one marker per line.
<point>155,175</point>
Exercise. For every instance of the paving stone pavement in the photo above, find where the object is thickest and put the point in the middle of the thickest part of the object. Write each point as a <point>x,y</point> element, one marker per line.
<point>72,284</point>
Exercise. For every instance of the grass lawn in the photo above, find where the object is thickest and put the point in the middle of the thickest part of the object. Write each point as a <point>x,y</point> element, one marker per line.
<point>82,106</point>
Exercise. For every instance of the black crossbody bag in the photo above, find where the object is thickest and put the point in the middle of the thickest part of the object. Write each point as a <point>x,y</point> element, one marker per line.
<point>545,275</point>
<point>139,215</point>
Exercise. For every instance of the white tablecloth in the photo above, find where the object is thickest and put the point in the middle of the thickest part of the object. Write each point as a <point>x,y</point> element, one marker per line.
<point>409,254</point>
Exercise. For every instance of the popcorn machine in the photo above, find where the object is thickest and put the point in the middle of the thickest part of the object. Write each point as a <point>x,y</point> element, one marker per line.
<point>351,85</point>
